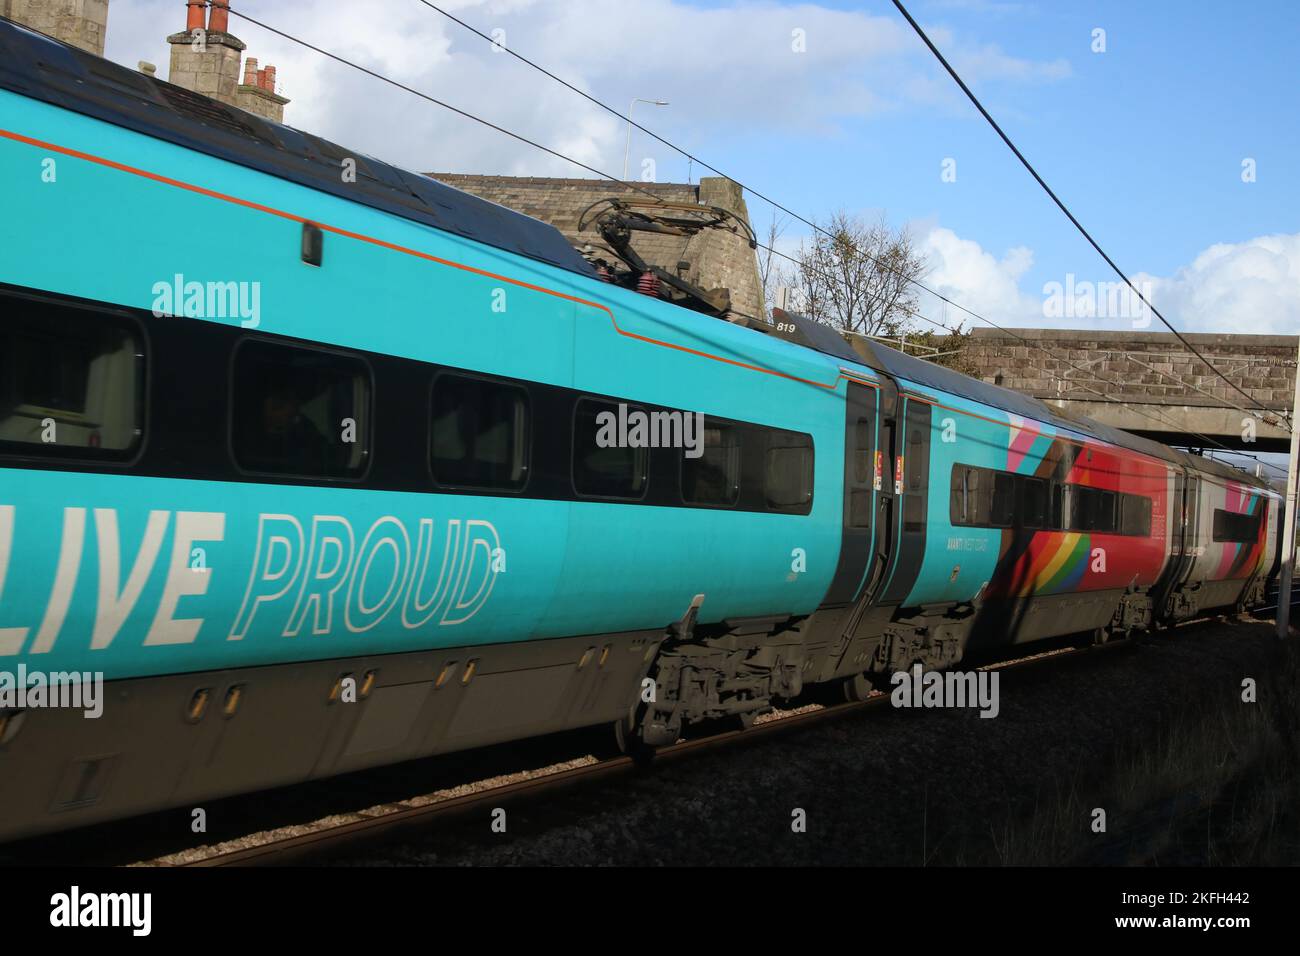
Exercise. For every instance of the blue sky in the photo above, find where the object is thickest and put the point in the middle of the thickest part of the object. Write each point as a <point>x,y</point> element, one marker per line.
<point>1145,141</point>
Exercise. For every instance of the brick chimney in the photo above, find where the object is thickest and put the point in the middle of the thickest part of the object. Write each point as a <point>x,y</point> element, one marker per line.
<point>206,59</point>
<point>80,23</point>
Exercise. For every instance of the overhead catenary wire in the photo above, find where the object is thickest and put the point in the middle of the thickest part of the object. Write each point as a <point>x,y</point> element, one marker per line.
<point>1155,417</point>
<point>1062,206</point>
<point>633,186</point>
<point>497,45</point>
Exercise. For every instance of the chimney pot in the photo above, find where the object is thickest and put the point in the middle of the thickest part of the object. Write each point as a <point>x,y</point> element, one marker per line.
<point>219,19</point>
<point>194,15</point>
<point>270,78</point>
<point>250,71</point>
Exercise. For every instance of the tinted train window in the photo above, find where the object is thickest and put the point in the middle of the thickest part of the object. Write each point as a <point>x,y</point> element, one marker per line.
<point>788,471</point>
<point>1033,502</point>
<point>915,464</point>
<point>998,499</point>
<point>1002,508</point>
<point>959,503</point>
<point>1094,510</point>
<point>985,498</point>
<point>602,468</point>
<point>862,464</point>
<point>714,477</point>
<point>479,434</point>
<point>972,496</point>
<point>71,382</point>
<point>299,411</point>
<point>1135,515</point>
<point>1239,528</point>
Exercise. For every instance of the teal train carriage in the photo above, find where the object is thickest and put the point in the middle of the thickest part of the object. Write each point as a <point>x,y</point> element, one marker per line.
<point>308,468</point>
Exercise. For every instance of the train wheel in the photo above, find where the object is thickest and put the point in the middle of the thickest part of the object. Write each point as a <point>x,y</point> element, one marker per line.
<point>857,688</point>
<point>628,740</point>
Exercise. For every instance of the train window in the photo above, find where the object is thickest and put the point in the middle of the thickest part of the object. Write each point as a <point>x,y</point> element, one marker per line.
<point>601,468</point>
<point>959,502</point>
<point>788,471</point>
<point>1032,512</point>
<point>1058,514</point>
<point>714,477</point>
<point>1135,515</point>
<point>1094,510</point>
<point>972,500</point>
<point>915,462</point>
<point>862,463</point>
<point>1002,509</point>
<point>71,382</point>
<point>1234,527</point>
<point>299,411</point>
<point>479,433</point>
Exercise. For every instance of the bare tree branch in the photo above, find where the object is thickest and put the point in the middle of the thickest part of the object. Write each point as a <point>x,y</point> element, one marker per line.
<point>858,276</point>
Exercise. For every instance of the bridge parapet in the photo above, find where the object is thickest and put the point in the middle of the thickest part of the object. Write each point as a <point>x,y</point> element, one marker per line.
<point>1167,392</point>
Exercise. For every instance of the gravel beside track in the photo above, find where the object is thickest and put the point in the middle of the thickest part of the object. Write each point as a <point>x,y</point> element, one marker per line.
<point>883,786</point>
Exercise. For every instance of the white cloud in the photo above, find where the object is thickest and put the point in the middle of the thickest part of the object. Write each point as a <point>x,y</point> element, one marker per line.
<point>1251,287</point>
<point>964,272</point>
<point>1246,287</point>
<point>732,68</point>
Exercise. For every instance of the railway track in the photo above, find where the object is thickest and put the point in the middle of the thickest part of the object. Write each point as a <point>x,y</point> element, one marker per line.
<point>396,819</point>
<point>391,822</point>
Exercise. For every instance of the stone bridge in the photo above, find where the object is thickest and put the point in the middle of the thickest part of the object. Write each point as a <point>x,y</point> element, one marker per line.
<point>1148,382</point>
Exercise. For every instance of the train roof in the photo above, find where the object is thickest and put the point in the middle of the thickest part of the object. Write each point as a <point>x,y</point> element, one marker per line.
<point>899,365</point>
<point>40,67</point>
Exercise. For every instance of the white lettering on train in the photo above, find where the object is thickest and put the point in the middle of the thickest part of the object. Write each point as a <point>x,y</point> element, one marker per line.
<point>307,574</point>
<point>317,580</point>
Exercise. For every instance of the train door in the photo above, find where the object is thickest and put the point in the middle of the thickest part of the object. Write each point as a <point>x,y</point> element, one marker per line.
<point>1273,556</point>
<point>863,481</point>
<point>911,471</point>
<point>1185,539</point>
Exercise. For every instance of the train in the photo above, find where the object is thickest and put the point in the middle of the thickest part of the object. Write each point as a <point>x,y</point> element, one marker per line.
<point>305,470</point>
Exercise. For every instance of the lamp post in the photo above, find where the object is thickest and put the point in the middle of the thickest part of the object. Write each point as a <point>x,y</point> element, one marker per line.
<point>627,150</point>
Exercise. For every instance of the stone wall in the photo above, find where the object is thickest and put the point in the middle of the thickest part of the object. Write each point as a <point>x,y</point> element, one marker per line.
<point>80,23</point>
<point>718,259</point>
<point>1148,381</point>
<point>1145,365</point>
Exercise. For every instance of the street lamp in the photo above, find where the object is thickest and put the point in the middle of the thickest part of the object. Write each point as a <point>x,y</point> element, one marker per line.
<point>628,149</point>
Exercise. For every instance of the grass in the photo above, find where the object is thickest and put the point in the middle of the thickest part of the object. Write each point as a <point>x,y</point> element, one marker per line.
<point>1217,784</point>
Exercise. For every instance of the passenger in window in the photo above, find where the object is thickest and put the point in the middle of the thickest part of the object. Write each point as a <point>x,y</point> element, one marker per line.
<point>289,439</point>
